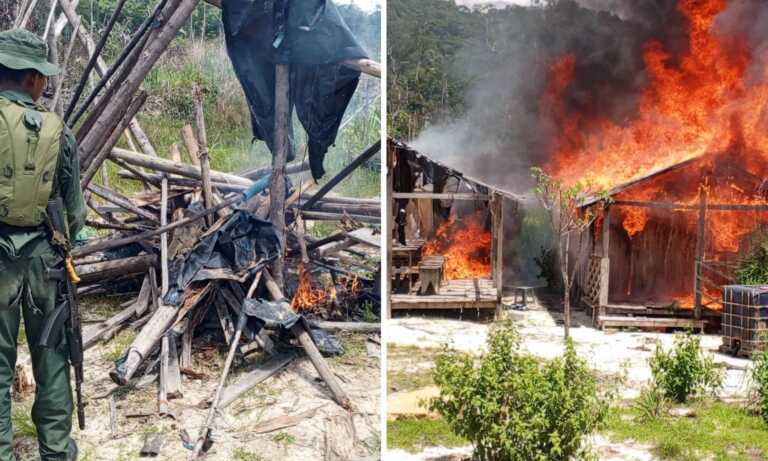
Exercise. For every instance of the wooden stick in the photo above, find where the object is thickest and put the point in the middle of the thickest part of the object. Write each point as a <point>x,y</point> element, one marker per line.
<point>63,68</point>
<point>321,216</point>
<point>205,431</point>
<point>162,394</point>
<point>249,380</point>
<point>27,14</point>
<point>92,163</point>
<point>356,327</point>
<point>190,142</point>
<point>302,240</point>
<point>281,146</point>
<point>205,165</point>
<point>177,17</point>
<point>171,167</point>
<point>353,165</point>
<point>366,66</point>
<point>306,342</point>
<point>121,201</point>
<point>173,375</point>
<point>164,274</point>
<point>258,173</point>
<point>92,60</point>
<point>102,271</point>
<point>108,244</point>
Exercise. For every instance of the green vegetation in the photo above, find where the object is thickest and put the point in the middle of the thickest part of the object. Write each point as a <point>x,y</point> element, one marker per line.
<point>241,454</point>
<point>198,57</point>
<point>119,345</point>
<point>515,406</point>
<point>718,431</point>
<point>685,371</point>
<point>410,368</point>
<point>753,267</point>
<point>759,376</point>
<point>21,420</point>
<point>415,434</point>
<point>284,439</point>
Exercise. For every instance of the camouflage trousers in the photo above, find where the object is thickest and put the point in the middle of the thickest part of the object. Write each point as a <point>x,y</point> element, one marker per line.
<point>26,292</point>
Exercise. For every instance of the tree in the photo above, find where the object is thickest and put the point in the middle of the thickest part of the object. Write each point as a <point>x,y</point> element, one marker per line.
<point>567,219</point>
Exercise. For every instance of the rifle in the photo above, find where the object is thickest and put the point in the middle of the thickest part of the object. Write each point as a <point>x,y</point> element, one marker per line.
<point>66,316</point>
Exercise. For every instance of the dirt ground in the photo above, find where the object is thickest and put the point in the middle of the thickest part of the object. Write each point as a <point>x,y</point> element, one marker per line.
<point>610,353</point>
<point>325,431</point>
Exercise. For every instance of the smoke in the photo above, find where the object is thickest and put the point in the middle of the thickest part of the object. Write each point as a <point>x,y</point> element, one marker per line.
<point>504,131</point>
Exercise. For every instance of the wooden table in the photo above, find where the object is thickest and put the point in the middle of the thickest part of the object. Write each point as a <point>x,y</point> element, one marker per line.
<point>431,274</point>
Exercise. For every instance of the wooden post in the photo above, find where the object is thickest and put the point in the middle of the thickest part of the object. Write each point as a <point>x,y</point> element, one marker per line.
<point>605,260</point>
<point>700,241</point>
<point>277,182</point>
<point>314,355</point>
<point>205,163</point>
<point>387,232</point>
<point>497,252</point>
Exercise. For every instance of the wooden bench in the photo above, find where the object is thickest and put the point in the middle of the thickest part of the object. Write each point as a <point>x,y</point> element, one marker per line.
<point>431,274</point>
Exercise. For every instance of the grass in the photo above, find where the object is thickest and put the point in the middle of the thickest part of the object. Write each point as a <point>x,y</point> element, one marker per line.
<point>119,345</point>
<point>719,432</point>
<point>21,419</point>
<point>405,367</point>
<point>415,434</point>
<point>284,439</point>
<point>241,454</point>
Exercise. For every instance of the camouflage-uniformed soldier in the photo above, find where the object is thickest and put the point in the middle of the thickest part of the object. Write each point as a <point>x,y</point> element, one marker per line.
<point>38,161</point>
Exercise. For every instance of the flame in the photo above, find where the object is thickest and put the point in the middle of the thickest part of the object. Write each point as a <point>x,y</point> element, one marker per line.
<point>466,246</point>
<point>699,105</point>
<point>309,298</point>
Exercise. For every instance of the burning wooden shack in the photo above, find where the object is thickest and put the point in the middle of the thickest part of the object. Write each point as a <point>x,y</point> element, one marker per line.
<point>668,241</point>
<point>446,229</point>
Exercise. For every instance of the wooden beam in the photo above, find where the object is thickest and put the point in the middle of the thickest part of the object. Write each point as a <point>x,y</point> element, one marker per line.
<point>205,161</point>
<point>700,239</point>
<point>171,167</point>
<point>441,196</point>
<point>280,155</point>
<point>346,171</point>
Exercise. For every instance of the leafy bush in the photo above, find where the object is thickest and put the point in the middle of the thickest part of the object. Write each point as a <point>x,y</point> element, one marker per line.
<point>685,371</point>
<point>652,404</point>
<point>759,375</point>
<point>513,406</point>
<point>753,268</point>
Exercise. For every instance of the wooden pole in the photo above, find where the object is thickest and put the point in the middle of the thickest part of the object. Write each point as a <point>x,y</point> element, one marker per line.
<point>700,242</point>
<point>168,166</point>
<point>353,165</point>
<point>277,182</point>
<point>206,429</point>
<point>497,210</point>
<point>306,342</point>
<point>205,164</point>
<point>155,48</point>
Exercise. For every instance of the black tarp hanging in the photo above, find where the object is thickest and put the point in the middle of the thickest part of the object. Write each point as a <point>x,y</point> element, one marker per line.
<point>312,37</point>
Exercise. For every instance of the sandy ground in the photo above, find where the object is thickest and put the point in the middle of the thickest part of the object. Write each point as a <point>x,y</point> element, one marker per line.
<point>611,353</point>
<point>330,434</point>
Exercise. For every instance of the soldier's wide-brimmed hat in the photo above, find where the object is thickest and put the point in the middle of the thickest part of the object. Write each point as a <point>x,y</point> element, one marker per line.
<point>21,49</point>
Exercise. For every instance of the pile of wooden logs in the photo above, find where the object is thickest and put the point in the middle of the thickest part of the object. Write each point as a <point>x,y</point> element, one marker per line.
<point>143,235</point>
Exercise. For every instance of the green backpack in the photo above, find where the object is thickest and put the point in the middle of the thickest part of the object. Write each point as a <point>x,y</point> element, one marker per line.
<point>30,141</point>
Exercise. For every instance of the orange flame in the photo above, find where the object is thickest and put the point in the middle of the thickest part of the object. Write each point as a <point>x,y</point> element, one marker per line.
<point>466,246</point>
<point>700,104</point>
<point>309,298</point>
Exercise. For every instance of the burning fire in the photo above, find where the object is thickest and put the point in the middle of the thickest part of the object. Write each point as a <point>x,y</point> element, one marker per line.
<point>466,246</point>
<point>699,105</point>
<point>309,298</point>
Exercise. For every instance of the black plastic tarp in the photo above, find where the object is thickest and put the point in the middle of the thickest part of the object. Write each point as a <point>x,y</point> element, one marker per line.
<point>278,314</point>
<point>242,242</point>
<point>312,37</point>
